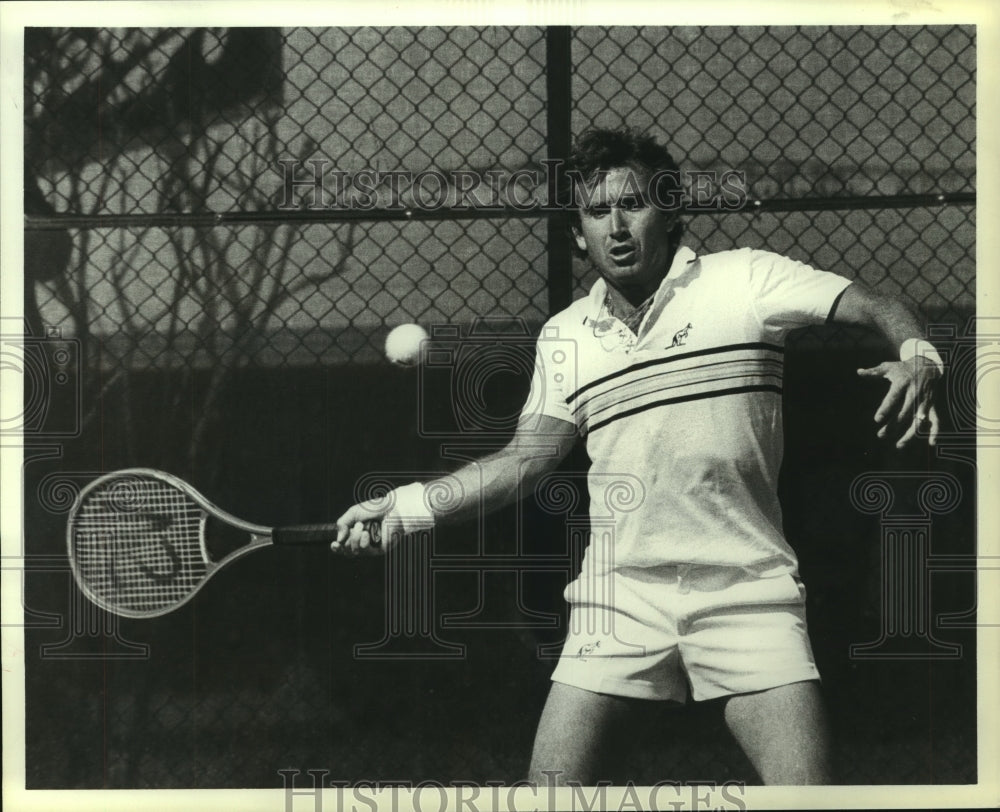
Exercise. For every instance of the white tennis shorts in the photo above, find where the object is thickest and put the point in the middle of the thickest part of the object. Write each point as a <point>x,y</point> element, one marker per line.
<point>658,633</point>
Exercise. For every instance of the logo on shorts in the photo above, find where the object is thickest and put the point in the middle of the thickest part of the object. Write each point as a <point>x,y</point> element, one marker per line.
<point>588,648</point>
<point>680,337</point>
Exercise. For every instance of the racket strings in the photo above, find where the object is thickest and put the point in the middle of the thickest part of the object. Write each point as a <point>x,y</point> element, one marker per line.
<point>137,544</point>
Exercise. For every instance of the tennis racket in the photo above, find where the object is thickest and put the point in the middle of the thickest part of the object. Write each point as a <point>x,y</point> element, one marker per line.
<point>139,541</point>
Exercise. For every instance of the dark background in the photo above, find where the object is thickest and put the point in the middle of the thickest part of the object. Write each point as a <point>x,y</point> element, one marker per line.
<point>258,673</point>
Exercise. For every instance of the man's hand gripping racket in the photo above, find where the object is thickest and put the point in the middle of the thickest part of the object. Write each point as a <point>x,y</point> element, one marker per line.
<point>137,540</point>
<point>400,512</point>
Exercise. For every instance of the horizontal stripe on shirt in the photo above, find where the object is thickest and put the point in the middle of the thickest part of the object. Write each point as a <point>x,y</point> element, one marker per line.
<point>684,399</point>
<point>753,367</point>
<point>671,359</point>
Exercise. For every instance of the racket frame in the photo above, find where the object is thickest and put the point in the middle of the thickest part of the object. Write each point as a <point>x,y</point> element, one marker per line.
<point>260,536</point>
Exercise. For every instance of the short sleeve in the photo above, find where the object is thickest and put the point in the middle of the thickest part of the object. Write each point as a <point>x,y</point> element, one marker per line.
<point>787,294</point>
<point>553,379</point>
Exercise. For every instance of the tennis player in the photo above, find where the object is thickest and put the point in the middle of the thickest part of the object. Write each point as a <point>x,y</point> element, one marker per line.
<point>676,379</point>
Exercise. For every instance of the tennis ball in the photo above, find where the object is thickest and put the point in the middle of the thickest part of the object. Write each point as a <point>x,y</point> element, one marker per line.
<point>403,344</point>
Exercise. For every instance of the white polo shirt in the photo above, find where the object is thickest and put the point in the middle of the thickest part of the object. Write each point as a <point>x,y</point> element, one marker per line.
<point>688,415</point>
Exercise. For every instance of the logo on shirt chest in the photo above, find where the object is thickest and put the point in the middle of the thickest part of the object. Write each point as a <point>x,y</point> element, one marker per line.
<point>681,336</point>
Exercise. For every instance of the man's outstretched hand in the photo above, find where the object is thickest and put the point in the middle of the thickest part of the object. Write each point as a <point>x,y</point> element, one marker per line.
<point>908,406</point>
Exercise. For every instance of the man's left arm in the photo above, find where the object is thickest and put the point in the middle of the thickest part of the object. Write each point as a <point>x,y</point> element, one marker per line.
<point>908,406</point>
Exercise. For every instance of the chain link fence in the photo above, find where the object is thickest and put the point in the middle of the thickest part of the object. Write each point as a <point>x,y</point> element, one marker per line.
<point>173,227</point>
<point>815,115</point>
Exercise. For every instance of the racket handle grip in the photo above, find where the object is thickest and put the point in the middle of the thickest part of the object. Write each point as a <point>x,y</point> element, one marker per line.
<point>305,534</point>
<point>318,533</point>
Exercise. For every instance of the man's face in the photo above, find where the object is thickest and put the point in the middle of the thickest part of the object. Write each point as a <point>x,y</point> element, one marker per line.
<point>626,237</point>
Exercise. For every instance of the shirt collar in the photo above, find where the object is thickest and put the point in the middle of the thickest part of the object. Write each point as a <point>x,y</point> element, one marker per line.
<point>683,257</point>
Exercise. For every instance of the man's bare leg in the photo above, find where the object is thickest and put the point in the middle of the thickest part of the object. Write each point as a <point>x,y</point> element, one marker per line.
<point>784,733</point>
<point>576,735</point>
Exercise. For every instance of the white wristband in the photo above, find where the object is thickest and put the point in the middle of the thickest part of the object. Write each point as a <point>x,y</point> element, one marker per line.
<point>913,347</point>
<point>410,508</point>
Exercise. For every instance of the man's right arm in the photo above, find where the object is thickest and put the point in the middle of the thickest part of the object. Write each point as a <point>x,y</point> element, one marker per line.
<point>487,484</point>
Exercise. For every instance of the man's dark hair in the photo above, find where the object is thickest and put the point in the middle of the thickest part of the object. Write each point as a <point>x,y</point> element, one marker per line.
<point>598,150</point>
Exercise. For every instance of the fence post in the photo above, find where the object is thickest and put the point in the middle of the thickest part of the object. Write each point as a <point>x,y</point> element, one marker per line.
<point>558,52</point>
